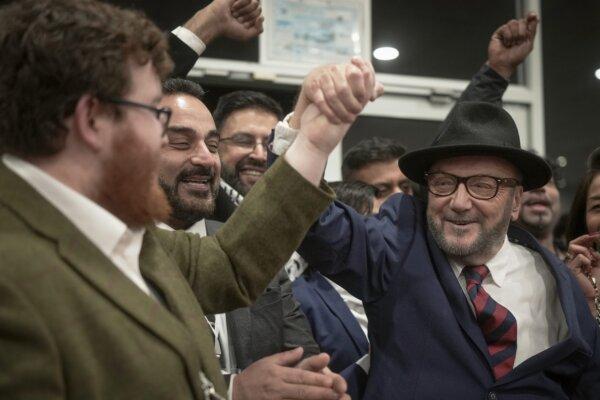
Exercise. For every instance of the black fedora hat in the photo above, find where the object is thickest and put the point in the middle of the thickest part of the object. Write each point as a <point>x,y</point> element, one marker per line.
<point>479,129</point>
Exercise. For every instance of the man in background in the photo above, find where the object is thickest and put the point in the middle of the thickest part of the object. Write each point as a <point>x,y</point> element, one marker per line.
<point>245,120</point>
<point>540,213</point>
<point>189,175</point>
<point>374,161</point>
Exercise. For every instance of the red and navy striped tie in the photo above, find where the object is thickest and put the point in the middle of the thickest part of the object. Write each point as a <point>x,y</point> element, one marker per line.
<point>498,325</point>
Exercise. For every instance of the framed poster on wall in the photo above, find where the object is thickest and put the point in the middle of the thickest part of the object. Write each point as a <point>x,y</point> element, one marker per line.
<point>303,33</point>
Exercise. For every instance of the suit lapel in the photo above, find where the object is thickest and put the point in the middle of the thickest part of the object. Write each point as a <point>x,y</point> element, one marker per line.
<point>337,306</point>
<point>94,267</point>
<point>158,269</point>
<point>458,301</point>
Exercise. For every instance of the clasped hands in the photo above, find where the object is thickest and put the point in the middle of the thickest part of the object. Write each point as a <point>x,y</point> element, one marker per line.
<point>285,376</point>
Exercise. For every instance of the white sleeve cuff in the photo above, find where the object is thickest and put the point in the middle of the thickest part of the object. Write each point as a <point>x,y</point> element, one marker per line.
<point>230,389</point>
<point>189,38</point>
<point>284,136</point>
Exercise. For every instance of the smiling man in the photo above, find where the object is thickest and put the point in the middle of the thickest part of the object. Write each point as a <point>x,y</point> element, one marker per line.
<point>245,119</point>
<point>453,293</point>
<point>190,174</point>
<point>95,301</point>
<point>540,213</point>
<point>461,303</point>
<point>190,167</point>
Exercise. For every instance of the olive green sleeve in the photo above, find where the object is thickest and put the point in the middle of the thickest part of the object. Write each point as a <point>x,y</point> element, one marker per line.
<point>232,268</point>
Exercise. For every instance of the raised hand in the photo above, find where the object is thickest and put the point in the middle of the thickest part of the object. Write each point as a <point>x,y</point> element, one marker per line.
<point>276,377</point>
<point>327,88</point>
<point>234,19</point>
<point>330,100</point>
<point>511,44</point>
<point>338,97</point>
<point>584,262</point>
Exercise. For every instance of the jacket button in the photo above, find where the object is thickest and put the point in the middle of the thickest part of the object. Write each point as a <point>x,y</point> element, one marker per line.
<point>492,396</point>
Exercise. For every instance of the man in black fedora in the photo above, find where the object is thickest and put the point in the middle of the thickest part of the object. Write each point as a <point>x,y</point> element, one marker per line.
<point>461,304</point>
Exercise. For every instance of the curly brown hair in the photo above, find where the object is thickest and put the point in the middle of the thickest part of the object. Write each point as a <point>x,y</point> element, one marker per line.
<point>56,51</point>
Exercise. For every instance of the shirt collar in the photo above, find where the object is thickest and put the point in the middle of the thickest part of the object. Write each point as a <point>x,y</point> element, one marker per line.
<point>498,265</point>
<point>101,227</point>
<point>199,227</point>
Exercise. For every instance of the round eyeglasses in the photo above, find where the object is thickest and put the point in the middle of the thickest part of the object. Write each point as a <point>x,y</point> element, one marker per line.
<point>482,187</point>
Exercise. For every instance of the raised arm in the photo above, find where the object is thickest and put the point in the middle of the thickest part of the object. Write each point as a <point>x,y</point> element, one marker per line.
<point>239,20</point>
<point>251,247</point>
<point>509,46</point>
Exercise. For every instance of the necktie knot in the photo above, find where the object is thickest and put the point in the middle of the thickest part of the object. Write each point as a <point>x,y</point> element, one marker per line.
<point>476,274</point>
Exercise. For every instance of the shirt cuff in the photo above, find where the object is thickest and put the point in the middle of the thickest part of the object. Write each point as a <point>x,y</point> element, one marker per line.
<point>190,39</point>
<point>230,390</point>
<point>284,136</point>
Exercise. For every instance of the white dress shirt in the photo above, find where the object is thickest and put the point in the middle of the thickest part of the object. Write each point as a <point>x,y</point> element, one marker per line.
<point>108,233</point>
<point>357,309</point>
<point>190,39</point>
<point>520,280</point>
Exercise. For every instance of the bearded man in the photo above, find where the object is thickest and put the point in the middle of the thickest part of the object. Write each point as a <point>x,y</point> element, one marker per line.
<point>462,304</point>
<point>95,302</point>
<point>190,171</point>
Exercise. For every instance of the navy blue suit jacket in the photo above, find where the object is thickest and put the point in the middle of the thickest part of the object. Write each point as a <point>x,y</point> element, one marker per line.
<point>333,326</point>
<point>425,342</point>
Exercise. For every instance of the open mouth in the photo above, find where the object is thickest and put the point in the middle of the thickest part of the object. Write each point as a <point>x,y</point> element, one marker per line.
<point>460,222</point>
<point>197,182</point>
<point>537,205</point>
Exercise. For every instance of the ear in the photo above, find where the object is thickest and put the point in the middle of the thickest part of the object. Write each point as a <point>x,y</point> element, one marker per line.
<point>516,207</point>
<point>91,123</point>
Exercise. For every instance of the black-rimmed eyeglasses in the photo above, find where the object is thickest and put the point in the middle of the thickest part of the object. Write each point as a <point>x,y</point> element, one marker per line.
<point>482,187</point>
<point>163,114</point>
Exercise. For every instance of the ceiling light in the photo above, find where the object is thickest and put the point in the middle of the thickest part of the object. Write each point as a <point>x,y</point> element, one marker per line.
<point>597,73</point>
<point>387,53</point>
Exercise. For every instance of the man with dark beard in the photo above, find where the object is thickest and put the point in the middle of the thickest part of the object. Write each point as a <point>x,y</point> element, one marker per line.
<point>462,305</point>
<point>540,213</point>
<point>189,174</point>
<point>95,301</point>
<point>245,119</point>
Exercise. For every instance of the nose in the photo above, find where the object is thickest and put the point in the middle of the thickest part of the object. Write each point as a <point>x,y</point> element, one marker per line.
<point>201,155</point>
<point>461,200</point>
<point>259,152</point>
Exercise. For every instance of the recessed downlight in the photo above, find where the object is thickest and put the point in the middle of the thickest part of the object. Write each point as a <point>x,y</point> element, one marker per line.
<point>386,53</point>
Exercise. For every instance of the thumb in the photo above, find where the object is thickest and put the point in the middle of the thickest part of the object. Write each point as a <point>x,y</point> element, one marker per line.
<point>532,23</point>
<point>377,91</point>
<point>288,358</point>
<point>315,363</point>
